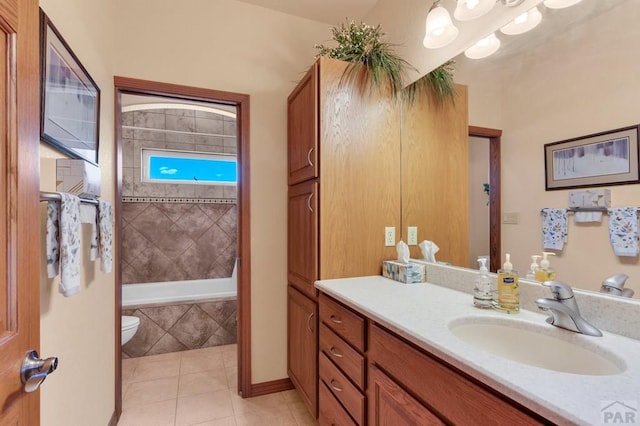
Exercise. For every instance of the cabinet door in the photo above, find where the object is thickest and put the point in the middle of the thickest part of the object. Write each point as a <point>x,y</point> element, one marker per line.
<point>303,237</point>
<point>302,130</point>
<point>391,405</point>
<point>302,347</point>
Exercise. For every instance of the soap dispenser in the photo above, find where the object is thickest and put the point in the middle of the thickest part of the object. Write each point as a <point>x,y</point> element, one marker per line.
<point>508,291</point>
<point>545,273</point>
<point>531,274</point>
<point>482,291</point>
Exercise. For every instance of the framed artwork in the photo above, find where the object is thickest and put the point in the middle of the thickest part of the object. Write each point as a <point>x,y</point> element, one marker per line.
<point>69,98</point>
<point>601,159</point>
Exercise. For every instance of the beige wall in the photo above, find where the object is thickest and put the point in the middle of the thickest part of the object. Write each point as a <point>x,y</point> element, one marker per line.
<point>233,46</point>
<point>79,330</point>
<point>581,83</point>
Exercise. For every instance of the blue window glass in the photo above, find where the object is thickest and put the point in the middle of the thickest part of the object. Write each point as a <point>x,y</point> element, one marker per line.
<point>189,167</point>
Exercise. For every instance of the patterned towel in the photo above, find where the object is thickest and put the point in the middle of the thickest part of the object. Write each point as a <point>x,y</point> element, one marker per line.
<point>623,230</point>
<point>554,228</point>
<point>102,237</point>
<point>63,243</point>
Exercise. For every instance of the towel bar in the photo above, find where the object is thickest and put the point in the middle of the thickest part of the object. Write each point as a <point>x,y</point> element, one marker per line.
<point>54,196</point>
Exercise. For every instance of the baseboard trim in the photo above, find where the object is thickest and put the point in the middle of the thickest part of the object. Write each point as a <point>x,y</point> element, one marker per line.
<point>114,419</point>
<point>273,386</point>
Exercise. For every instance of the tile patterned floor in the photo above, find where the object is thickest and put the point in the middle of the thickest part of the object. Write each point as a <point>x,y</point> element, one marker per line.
<point>199,387</point>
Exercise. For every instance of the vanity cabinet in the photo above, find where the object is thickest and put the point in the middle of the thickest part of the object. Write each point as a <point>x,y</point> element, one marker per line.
<point>411,384</point>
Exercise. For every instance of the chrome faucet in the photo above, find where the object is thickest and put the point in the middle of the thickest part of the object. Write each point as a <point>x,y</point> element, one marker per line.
<point>564,310</point>
<point>615,285</point>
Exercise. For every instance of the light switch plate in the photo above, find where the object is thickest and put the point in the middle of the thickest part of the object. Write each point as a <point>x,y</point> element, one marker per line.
<point>389,236</point>
<point>511,218</point>
<point>412,235</point>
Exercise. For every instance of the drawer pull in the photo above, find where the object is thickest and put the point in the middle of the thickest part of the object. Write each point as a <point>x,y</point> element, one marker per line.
<point>309,202</point>
<point>335,319</point>
<point>309,321</point>
<point>335,388</point>
<point>309,157</point>
<point>333,352</point>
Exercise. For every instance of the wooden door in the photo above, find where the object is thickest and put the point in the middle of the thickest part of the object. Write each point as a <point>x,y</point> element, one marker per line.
<point>303,236</point>
<point>302,130</point>
<point>302,347</point>
<point>19,230</point>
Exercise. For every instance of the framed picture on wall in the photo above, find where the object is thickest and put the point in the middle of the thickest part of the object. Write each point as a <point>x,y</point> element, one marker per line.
<point>69,98</point>
<point>601,159</point>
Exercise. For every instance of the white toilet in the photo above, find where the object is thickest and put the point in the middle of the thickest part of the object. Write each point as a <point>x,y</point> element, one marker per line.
<point>129,327</point>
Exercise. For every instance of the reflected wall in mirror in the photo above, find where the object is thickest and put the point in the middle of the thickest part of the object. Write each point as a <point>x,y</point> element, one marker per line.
<point>577,81</point>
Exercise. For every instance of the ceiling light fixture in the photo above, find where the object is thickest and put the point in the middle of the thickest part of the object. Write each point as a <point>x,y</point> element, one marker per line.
<point>523,23</point>
<point>560,4</point>
<point>467,10</point>
<point>483,48</point>
<point>439,30</point>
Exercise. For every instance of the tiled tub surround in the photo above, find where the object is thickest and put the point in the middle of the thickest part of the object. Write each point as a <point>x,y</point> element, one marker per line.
<point>184,130</point>
<point>177,242</point>
<point>421,313</point>
<point>182,326</point>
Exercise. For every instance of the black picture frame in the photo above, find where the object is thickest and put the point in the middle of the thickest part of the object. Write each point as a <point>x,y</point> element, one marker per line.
<point>69,98</point>
<point>601,159</point>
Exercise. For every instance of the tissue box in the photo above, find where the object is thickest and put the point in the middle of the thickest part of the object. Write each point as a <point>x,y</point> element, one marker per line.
<point>78,177</point>
<point>590,198</point>
<point>408,273</point>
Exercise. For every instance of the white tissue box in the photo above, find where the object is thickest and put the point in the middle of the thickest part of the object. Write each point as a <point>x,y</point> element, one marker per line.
<point>407,273</point>
<point>590,198</point>
<point>78,177</point>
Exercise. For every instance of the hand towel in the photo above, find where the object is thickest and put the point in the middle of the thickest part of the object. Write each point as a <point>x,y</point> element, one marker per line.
<point>585,217</point>
<point>102,237</point>
<point>623,230</point>
<point>63,243</point>
<point>554,228</point>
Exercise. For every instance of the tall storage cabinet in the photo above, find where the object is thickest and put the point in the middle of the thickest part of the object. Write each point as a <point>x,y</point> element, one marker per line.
<point>344,189</point>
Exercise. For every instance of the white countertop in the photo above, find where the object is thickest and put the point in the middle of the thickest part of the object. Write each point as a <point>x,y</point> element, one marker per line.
<point>421,313</point>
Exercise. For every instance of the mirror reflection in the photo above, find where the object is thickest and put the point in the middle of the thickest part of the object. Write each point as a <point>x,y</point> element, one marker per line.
<point>574,75</point>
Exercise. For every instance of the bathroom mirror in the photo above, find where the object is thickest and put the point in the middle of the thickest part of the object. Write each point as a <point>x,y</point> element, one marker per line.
<point>574,75</point>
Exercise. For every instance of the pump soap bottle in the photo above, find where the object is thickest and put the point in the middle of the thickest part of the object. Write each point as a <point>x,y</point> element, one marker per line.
<point>508,291</point>
<point>545,273</point>
<point>531,275</point>
<point>482,292</point>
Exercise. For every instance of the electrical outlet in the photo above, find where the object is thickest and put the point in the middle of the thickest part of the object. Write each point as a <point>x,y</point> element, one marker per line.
<point>389,236</point>
<point>412,235</point>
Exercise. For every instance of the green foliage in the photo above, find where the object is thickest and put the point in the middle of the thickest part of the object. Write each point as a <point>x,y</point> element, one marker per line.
<point>438,82</point>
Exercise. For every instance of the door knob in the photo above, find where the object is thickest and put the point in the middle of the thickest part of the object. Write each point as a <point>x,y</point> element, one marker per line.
<point>34,370</point>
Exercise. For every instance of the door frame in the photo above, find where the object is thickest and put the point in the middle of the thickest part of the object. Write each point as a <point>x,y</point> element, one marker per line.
<point>241,102</point>
<point>494,136</point>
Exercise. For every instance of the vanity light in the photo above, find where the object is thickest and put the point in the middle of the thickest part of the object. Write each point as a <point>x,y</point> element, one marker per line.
<point>523,23</point>
<point>439,30</point>
<point>467,10</point>
<point>560,4</point>
<point>483,48</point>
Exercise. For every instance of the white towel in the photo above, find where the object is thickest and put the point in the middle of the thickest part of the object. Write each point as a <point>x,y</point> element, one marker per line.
<point>585,217</point>
<point>554,228</point>
<point>63,243</point>
<point>623,230</point>
<point>102,237</point>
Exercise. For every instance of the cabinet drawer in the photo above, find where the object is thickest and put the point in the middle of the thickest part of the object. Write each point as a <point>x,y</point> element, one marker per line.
<point>348,395</point>
<point>346,323</point>
<point>457,398</point>
<point>331,412</point>
<point>347,359</point>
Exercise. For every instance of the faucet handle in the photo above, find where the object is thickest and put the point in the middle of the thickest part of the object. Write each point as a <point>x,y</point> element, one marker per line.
<point>561,291</point>
<point>615,282</point>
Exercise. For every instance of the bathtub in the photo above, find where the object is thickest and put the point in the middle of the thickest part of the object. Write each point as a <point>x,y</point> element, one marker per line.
<point>169,292</point>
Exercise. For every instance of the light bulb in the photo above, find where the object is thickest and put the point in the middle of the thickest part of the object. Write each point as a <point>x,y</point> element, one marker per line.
<point>467,10</point>
<point>523,23</point>
<point>483,48</point>
<point>439,30</point>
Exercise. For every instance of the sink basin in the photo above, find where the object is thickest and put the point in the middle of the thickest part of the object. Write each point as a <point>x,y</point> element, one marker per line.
<point>538,345</point>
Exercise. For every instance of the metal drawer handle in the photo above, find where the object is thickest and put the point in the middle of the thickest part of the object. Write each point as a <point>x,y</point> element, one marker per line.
<point>309,202</point>
<point>309,321</point>
<point>309,157</point>
<point>333,352</point>
<point>335,319</point>
<point>335,388</point>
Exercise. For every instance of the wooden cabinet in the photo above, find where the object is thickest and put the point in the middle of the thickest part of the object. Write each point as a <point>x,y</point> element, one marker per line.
<point>303,236</point>
<point>302,129</point>
<point>302,347</point>
<point>438,388</point>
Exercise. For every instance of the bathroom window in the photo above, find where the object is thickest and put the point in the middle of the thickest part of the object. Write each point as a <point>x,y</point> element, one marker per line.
<point>169,166</point>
